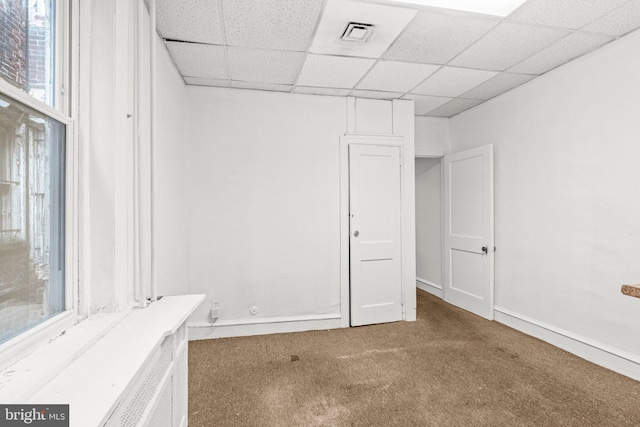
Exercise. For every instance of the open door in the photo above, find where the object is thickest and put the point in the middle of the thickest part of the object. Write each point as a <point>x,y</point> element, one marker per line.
<point>468,233</point>
<point>375,251</point>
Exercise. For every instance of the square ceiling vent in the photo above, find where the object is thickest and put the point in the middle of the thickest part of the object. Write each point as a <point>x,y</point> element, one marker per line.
<point>358,32</point>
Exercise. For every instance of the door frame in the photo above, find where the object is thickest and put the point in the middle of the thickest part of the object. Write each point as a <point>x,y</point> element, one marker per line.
<point>407,226</point>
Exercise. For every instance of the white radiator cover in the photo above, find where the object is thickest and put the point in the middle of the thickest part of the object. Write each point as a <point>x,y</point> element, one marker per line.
<point>158,397</point>
<point>134,375</point>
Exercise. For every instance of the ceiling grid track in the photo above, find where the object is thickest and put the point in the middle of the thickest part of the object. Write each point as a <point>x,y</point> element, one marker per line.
<point>446,61</point>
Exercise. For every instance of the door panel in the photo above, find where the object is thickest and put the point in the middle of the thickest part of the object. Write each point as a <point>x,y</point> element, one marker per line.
<point>466,189</point>
<point>469,259</point>
<point>466,270</point>
<point>374,210</point>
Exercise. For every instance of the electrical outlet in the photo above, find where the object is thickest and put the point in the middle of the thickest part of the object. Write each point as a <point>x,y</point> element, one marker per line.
<point>215,310</point>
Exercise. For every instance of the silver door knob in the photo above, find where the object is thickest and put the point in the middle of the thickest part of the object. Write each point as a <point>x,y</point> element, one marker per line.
<point>356,233</point>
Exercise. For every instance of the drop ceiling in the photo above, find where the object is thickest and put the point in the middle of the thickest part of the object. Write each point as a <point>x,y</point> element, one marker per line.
<point>446,61</point>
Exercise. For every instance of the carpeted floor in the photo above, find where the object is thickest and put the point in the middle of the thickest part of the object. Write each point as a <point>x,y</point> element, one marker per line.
<point>450,368</point>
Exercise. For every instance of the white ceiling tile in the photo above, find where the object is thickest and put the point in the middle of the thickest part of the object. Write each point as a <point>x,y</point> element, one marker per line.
<point>501,83</point>
<point>197,81</point>
<point>333,71</point>
<point>564,13</point>
<point>424,104</point>
<point>389,22</point>
<point>454,107</point>
<point>506,45</point>
<point>372,94</point>
<point>568,48</point>
<point>452,81</point>
<point>395,76</point>
<point>190,20</point>
<point>264,66</point>
<point>261,86</point>
<point>435,38</point>
<point>199,60</point>
<point>321,91</point>
<point>271,24</point>
<point>618,22</point>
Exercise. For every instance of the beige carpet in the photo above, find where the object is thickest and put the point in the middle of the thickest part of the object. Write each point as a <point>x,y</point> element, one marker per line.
<point>450,368</point>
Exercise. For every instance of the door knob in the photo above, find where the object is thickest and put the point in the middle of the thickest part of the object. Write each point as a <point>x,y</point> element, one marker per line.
<point>356,233</point>
<point>485,249</point>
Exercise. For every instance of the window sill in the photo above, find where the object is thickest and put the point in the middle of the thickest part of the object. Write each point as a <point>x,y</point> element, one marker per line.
<point>31,340</point>
<point>66,342</point>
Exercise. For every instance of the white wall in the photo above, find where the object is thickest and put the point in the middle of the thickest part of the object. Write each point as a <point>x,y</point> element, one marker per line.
<point>567,206</point>
<point>170,240</point>
<point>432,135</point>
<point>263,201</point>
<point>429,225</point>
<point>263,185</point>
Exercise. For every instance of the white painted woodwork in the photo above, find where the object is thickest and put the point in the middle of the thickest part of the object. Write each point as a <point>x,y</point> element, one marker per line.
<point>114,240</point>
<point>404,126</point>
<point>468,200</point>
<point>374,204</point>
<point>133,375</point>
<point>170,216</point>
<point>264,326</point>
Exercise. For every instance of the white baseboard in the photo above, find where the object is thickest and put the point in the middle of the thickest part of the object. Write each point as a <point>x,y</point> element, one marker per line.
<point>429,287</point>
<point>263,326</point>
<point>611,358</point>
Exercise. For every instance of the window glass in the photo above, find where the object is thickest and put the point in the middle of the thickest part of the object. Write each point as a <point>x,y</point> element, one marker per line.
<point>27,46</point>
<point>32,153</point>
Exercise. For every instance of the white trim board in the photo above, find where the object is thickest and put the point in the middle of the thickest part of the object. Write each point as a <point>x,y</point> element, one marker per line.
<point>611,358</point>
<point>428,154</point>
<point>430,287</point>
<point>263,326</point>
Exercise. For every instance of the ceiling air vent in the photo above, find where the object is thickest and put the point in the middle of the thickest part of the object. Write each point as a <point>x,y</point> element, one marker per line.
<point>357,32</point>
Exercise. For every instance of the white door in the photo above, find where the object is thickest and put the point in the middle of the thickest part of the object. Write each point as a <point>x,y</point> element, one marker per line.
<point>468,245</point>
<point>374,210</point>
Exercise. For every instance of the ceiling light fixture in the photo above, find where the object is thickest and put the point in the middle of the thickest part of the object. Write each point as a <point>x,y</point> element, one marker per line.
<point>488,7</point>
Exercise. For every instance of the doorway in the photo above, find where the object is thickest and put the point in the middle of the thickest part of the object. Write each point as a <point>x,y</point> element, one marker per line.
<point>454,228</point>
<point>428,171</point>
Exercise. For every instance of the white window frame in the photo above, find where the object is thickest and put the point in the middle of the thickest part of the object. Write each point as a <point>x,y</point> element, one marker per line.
<point>66,60</point>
